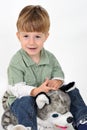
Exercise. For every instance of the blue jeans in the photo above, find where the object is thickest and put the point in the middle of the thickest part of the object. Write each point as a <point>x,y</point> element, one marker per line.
<point>26,111</point>
<point>78,107</point>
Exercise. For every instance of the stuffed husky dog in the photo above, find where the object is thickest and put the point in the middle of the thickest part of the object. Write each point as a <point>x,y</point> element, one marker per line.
<point>53,111</point>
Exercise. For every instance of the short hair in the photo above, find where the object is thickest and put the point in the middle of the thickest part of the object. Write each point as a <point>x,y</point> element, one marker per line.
<point>33,18</point>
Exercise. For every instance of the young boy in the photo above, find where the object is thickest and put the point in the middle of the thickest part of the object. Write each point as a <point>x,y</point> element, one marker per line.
<point>33,70</point>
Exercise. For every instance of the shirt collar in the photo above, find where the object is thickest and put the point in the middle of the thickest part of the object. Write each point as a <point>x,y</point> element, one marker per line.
<point>43,60</point>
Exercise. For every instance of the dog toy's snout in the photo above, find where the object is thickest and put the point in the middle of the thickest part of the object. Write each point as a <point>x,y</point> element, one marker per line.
<point>70,119</point>
<point>55,115</point>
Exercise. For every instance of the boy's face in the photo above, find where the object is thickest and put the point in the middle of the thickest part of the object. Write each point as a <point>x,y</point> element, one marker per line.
<point>32,42</point>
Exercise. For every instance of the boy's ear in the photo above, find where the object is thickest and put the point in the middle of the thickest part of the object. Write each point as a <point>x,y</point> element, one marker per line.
<point>18,35</point>
<point>47,35</point>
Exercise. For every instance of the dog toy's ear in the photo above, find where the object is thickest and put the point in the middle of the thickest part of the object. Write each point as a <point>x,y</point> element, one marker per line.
<point>67,87</point>
<point>42,99</point>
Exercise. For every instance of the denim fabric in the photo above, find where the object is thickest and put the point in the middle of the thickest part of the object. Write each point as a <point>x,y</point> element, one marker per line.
<point>78,107</point>
<point>25,110</point>
<point>82,127</point>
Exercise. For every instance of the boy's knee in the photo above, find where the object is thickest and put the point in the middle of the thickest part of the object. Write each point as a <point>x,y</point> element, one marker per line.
<point>26,102</point>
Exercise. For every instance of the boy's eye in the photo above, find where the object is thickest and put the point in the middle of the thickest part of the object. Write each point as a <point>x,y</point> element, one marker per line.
<point>38,36</point>
<point>26,36</point>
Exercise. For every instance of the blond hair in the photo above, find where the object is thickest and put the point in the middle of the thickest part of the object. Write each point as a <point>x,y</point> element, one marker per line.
<point>33,18</point>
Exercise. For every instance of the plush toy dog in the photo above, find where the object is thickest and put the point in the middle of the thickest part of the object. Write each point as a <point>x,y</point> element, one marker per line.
<point>53,111</point>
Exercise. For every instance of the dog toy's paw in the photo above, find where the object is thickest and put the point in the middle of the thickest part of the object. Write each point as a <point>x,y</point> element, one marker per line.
<point>20,127</point>
<point>10,127</point>
<point>41,100</point>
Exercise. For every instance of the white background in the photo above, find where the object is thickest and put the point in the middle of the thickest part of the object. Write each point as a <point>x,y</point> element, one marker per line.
<point>67,40</point>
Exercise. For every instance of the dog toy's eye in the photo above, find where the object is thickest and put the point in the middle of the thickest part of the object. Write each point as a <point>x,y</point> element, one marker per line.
<point>55,115</point>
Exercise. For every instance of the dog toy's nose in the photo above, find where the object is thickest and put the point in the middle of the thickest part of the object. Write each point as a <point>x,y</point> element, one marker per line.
<point>55,115</point>
<point>70,119</point>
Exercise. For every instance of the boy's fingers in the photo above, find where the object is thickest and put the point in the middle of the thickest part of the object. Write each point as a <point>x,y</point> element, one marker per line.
<point>46,81</point>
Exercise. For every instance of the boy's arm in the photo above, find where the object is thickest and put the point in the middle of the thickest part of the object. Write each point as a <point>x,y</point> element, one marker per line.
<point>17,86</point>
<point>57,72</point>
<point>57,75</point>
<point>20,89</point>
<point>55,84</point>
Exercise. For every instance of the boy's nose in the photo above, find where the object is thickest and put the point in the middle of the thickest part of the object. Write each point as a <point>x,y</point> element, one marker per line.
<point>31,41</point>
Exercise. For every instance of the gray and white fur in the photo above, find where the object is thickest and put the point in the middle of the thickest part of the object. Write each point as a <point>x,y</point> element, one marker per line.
<point>53,112</point>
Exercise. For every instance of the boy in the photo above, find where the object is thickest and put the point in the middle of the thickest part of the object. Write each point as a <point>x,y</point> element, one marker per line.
<point>34,69</point>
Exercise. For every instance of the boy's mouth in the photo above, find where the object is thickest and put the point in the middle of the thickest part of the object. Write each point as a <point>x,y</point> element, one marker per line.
<point>32,48</point>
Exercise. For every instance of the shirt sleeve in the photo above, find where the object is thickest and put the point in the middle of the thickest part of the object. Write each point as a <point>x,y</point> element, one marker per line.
<point>17,85</point>
<point>20,89</point>
<point>15,75</point>
<point>57,72</point>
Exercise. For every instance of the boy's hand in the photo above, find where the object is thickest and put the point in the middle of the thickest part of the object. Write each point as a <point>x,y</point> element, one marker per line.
<point>47,86</point>
<point>55,84</point>
<point>42,88</point>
